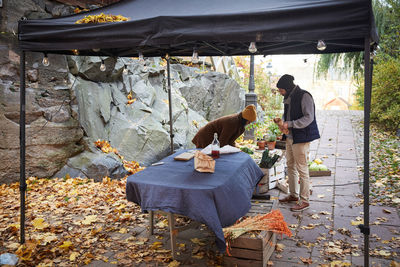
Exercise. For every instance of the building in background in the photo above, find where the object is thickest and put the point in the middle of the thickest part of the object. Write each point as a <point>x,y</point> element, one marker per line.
<point>335,91</point>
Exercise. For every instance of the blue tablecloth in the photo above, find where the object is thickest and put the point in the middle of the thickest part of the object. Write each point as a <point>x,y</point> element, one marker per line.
<point>216,199</point>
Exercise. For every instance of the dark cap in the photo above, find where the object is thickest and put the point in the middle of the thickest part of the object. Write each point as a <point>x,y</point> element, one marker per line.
<point>286,82</point>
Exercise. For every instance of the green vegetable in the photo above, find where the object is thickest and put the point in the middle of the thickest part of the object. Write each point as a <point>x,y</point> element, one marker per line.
<point>322,167</point>
<point>267,161</point>
<point>247,150</point>
<point>313,167</point>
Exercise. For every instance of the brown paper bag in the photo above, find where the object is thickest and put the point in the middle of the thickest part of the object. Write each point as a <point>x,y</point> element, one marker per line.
<point>203,163</point>
<point>280,125</point>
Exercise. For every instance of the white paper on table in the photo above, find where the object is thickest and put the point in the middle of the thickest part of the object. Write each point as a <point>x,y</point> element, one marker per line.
<point>223,150</point>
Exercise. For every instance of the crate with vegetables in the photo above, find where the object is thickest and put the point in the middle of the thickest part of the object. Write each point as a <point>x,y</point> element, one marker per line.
<point>316,168</point>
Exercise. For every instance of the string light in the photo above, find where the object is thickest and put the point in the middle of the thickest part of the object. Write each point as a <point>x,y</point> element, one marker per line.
<point>102,66</point>
<point>125,71</point>
<point>321,46</point>
<point>96,50</point>
<point>195,56</point>
<point>75,52</point>
<point>45,60</point>
<point>252,47</point>
<point>141,58</point>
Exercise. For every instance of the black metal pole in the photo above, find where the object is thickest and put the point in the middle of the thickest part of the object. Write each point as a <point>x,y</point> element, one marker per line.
<point>251,97</point>
<point>170,106</point>
<point>367,109</point>
<point>22,181</point>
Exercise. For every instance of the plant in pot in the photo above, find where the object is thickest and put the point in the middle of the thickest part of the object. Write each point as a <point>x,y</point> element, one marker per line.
<point>270,139</point>
<point>259,134</point>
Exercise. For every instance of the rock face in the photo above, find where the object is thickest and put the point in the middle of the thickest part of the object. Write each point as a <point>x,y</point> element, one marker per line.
<point>71,104</point>
<point>52,134</point>
<point>140,131</point>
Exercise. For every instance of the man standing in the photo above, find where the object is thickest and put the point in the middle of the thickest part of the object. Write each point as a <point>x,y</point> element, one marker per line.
<point>299,120</point>
<point>228,128</point>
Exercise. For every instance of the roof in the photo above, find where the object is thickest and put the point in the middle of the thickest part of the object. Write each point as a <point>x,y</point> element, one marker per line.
<point>212,27</point>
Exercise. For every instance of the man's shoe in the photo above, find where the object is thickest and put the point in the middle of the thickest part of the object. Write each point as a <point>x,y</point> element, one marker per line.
<point>301,206</point>
<point>288,199</point>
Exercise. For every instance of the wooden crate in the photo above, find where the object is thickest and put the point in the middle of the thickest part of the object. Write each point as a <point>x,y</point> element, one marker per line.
<point>320,173</point>
<point>253,250</point>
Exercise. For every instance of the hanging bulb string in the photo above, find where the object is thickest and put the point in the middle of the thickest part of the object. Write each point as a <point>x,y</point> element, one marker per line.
<point>195,56</point>
<point>102,65</point>
<point>252,47</point>
<point>45,60</point>
<point>64,100</point>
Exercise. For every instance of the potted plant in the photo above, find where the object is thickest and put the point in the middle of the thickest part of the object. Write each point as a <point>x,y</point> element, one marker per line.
<point>270,139</point>
<point>259,134</point>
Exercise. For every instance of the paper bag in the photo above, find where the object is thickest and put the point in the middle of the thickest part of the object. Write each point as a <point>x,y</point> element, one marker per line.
<point>280,125</point>
<point>203,163</point>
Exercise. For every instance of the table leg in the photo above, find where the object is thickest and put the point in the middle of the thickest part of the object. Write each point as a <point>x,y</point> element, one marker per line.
<point>151,222</point>
<point>171,222</point>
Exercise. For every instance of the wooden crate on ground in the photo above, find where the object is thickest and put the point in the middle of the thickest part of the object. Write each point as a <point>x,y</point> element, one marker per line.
<point>320,173</point>
<point>253,250</point>
<point>272,176</point>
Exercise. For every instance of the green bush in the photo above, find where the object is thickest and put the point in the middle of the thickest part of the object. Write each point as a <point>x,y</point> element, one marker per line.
<point>385,101</point>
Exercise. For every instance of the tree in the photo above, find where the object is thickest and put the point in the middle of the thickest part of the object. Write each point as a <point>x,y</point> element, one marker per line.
<point>267,99</point>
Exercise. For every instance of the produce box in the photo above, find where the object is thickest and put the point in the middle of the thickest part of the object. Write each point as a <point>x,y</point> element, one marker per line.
<point>251,249</point>
<point>320,173</point>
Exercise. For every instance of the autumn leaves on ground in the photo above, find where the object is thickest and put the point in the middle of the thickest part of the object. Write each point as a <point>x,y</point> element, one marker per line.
<point>74,221</point>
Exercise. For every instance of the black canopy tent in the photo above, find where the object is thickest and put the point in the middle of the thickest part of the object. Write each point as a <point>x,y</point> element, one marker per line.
<point>212,28</point>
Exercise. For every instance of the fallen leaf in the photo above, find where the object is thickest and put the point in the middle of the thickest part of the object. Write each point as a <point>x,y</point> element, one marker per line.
<point>306,260</point>
<point>73,255</point>
<point>198,241</point>
<point>89,219</point>
<point>321,196</point>
<point>174,263</point>
<point>39,223</point>
<point>384,253</point>
<point>66,244</point>
<point>386,211</point>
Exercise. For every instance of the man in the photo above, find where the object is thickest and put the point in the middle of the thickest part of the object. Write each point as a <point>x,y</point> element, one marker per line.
<point>228,128</point>
<point>300,123</point>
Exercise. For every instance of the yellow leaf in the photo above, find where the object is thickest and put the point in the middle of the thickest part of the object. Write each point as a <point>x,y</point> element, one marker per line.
<point>123,231</point>
<point>165,101</point>
<point>156,245</point>
<point>197,241</point>
<point>66,244</point>
<point>39,223</point>
<point>357,222</point>
<point>73,255</point>
<point>89,219</point>
<point>162,224</point>
<point>384,253</point>
<point>174,263</point>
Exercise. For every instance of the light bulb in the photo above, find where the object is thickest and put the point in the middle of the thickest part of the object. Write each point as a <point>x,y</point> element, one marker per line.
<point>102,66</point>
<point>125,71</point>
<point>141,58</point>
<point>96,50</point>
<point>75,52</point>
<point>195,57</point>
<point>252,47</point>
<point>321,46</point>
<point>45,61</point>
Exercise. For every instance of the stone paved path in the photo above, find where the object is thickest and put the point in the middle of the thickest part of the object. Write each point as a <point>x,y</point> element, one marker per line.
<point>335,199</point>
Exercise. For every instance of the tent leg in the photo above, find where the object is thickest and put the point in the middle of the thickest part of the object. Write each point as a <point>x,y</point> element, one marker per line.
<point>367,109</point>
<point>170,106</point>
<point>22,181</point>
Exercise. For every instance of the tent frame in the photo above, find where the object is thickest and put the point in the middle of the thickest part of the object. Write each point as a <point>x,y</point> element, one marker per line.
<point>236,45</point>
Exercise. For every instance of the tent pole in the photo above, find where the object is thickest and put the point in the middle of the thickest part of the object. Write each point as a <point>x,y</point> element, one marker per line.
<point>367,109</point>
<point>170,106</point>
<point>22,181</point>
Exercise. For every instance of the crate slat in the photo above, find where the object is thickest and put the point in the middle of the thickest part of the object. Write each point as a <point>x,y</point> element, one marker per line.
<point>250,250</point>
